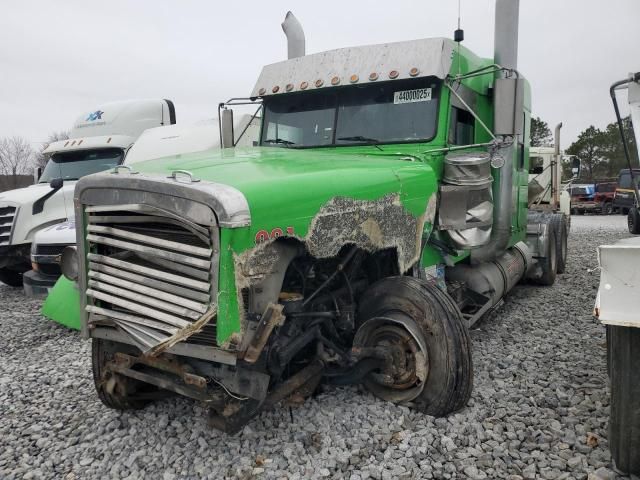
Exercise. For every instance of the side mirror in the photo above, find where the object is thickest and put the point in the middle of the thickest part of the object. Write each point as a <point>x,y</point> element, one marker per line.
<point>536,170</point>
<point>37,173</point>
<point>69,263</point>
<point>226,128</point>
<point>56,183</point>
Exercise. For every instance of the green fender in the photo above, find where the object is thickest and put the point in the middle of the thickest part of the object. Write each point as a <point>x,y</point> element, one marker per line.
<point>63,304</point>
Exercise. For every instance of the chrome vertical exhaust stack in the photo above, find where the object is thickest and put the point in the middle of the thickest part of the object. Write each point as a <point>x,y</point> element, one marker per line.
<point>295,36</point>
<point>508,124</point>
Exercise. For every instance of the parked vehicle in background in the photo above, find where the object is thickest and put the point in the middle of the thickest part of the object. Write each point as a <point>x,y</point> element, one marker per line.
<point>583,198</point>
<point>605,191</point>
<point>545,192</point>
<point>617,306</point>
<point>176,140</point>
<point>99,141</point>
<point>624,196</point>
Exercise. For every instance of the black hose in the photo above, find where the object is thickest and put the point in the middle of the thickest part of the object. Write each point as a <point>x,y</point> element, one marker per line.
<point>340,267</point>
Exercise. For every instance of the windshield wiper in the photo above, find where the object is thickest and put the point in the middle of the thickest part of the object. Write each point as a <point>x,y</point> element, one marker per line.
<point>360,138</point>
<point>280,141</point>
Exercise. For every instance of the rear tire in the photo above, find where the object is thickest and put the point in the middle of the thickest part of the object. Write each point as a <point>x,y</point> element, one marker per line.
<point>12,278</point>
<point>449,376</point>
<point>561,232</point>
<point>624,420</point>
<point>549,264</point>
<point>633,221</point>
<point>115,391</point>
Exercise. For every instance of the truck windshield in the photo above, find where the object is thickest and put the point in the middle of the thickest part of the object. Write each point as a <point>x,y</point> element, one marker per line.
<point>625,179</point>
<point>74,165</point>
<point>388,112</point>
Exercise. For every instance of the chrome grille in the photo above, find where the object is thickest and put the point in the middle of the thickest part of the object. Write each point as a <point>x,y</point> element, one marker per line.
<point>150,275</point>
<point>7,216</point>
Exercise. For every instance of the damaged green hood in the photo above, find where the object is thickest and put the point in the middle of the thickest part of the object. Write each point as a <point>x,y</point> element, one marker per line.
<point>285,186</point>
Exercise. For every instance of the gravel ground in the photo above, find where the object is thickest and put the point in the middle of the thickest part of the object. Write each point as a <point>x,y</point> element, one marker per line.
<point>539,407</point>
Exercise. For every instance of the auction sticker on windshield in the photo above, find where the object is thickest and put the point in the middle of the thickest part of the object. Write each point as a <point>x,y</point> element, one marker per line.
<point>411,96</point>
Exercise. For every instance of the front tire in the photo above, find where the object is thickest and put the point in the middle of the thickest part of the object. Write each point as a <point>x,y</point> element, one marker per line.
<point>624,421</point>
<point>115,391</point>
<point>12,278</point>
<point>438,325</point>
<point>607,208</point>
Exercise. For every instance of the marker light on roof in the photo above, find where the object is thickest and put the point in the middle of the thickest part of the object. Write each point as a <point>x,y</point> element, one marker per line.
<point>414,71</point>
<point>335,80</point>
<point>289,87</point>
<point>393,74</point>
<point>262,91</point>
<point>354,78</point>
<point>373,76</point>
<point>304,85</point>
<point>319,83</point>
<point>275,89</point>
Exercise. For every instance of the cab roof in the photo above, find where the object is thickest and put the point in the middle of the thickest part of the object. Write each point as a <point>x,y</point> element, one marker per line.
<point>429,57</point>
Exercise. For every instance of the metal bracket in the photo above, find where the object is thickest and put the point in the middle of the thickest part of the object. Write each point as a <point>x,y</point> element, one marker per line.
<point>177,174</point>
<point>118,167</point>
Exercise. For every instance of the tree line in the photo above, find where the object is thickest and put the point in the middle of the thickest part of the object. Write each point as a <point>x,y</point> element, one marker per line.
<point>18,157</point>
<point>600,150</point>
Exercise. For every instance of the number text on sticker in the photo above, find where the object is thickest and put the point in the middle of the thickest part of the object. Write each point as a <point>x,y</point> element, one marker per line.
<point>411,96</point>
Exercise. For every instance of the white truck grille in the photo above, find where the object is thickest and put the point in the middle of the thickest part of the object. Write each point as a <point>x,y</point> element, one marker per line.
<point>7,216</point>
<point>149,275</point>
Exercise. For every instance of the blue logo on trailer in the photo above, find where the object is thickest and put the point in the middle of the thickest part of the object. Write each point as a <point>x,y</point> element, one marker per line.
<point>97,115</point>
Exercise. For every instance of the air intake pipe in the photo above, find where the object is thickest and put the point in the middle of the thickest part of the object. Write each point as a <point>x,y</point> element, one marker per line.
<point>507,115</point>
<point>295,36</point>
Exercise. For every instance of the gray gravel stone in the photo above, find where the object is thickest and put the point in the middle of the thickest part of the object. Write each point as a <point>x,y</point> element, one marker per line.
<point>540,390</point>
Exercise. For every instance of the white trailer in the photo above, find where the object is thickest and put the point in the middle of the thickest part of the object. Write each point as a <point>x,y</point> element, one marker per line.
<point>617,307</point>
<point>99,140</point>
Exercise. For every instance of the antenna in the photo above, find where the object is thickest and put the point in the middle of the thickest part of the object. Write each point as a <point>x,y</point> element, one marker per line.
<point>458,35</point>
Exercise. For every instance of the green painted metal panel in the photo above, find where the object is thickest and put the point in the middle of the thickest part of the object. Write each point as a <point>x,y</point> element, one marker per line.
<point>63,304</point>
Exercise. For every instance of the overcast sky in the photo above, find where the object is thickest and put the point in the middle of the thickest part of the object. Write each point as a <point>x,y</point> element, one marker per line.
<point>58,59</point>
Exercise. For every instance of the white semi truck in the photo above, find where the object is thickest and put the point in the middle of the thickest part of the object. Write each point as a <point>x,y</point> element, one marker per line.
<point>171,140</point>
<point>99,140</point>
<point>617,308</point>
<point>547,196</point>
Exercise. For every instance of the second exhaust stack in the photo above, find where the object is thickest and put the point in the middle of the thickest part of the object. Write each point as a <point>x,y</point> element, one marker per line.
<point>506,33</point>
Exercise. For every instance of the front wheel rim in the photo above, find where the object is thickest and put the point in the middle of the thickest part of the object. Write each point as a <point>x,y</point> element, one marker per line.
<point>411,359</point>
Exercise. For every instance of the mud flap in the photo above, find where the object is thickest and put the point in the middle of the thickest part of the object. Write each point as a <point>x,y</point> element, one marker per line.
<point>63,304</point>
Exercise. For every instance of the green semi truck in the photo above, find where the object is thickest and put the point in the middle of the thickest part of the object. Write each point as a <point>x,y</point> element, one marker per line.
<point>381,212</point>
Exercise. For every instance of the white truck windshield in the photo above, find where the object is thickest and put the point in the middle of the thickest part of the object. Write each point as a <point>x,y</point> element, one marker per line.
<point>387,112</point>
<point>74,165</point>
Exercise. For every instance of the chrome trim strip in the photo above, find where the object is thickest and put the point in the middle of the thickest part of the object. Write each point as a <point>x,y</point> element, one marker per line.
<point>187,282</point>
